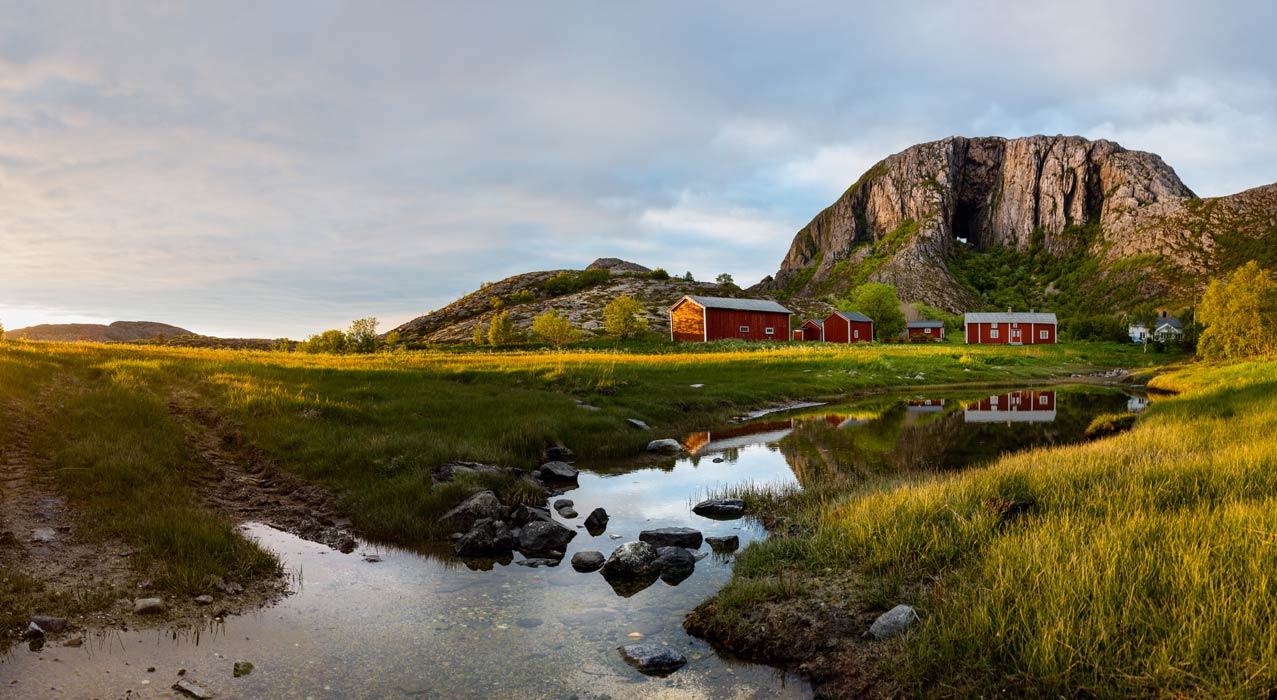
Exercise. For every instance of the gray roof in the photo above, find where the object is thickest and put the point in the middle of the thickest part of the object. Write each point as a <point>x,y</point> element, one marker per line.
<point>854,316</point>
<point>817,321</point>
<point>1008,317</point>
<point>926,324</point>
<point>1168,321</point>
<point>739,304</point>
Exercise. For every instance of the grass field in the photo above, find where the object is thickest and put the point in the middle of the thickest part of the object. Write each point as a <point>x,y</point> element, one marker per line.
<point>1144,567</point>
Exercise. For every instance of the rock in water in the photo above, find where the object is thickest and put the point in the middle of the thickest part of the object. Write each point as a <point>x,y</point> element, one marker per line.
<point>893,622</point>
<point>149,606</point>
<point>638,423</point>
<point>723,545</point>
<point>666,446</point>
<point>596,522</point>
<point>672,537</point>
<point>475,508</point>
<point>488,537</point>
<point>541,536</point>
<point>242,668</point>
<point>191,689</point>
<point>562,503</point>
<point>631,559</point>
<point>52,625</point>
<point>526,514</point>
<point>720,508</point>
<point>588,561</point>
<point>557,472</point>
<point>675,564</point>
<point>653,659</point>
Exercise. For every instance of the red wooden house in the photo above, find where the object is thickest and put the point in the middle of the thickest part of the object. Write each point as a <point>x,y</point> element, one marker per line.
<point>810,330</point>
<point>926,330</point>
<point>1010,328</point>
<point>702,319</point>
<point>848,327</point>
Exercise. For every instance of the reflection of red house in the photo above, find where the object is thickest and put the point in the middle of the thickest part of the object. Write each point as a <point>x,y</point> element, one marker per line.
<point>926,330</point>
<point>848,327</point>
<point>1014,406</point>
<point>810,330</point>
<point>1010,328</point>
<point>702,319</point>
<point>926,405</point>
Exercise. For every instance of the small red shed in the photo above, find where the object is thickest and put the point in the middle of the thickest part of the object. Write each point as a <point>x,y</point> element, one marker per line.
<point>810,330</point>
<point>702,319</point>
<point>1010,328</point>
<point>926,330</point>
<point>848,327</point>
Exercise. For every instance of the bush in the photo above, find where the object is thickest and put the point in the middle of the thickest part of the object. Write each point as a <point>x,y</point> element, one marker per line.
<point>502,331</point>
<point>1239,315</point>
<point>362,336</point>
<point>624,317</point>
<point>555,328</point>
<point>568,282</point>
<point>333,342</point>
<point>659,274</point>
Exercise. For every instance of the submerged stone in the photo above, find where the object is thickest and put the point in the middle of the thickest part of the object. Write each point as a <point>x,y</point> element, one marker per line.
<point>652,659</point>
<point>723,545</point>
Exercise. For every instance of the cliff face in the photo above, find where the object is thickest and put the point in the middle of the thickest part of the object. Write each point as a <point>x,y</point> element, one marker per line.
<point>905,217</point>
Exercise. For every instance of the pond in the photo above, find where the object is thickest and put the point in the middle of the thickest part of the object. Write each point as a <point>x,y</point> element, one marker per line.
<point>420,626</point>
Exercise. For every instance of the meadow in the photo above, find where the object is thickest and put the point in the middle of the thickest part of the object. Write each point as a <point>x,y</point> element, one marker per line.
<point>1139,565</point>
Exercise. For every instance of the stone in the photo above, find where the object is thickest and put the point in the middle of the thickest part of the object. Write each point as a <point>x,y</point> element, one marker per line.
<point>674,564</point>
<point>228,587</point>
<point>893,622</point>
<point>638,424</point>
<point>149,606</point>
<point>596,522</point>
<point>588,561</point>
<point>631,559</point>
<point>481,506</point>
<point>538,562</point>
<point>451,470</point>
<point>526,514</point>
<point>568,513</point>
<point>33,631</point>
<point>189,688</point>
<point>666,446</point>
<point>204,600</point>
<point>562,503</point>
<point>372,558</point>
<point>557,472</point>
<point>44,534</point>
<point>720,508</point>
<point>50,624</point>
<point>486,538</point>
<point>652,659</point>
<point>724,545</point>
<point>242,668</point>
<point>74,642</point>
<point>542,536</point>
<point>557,453</point>
<point>672,537</point>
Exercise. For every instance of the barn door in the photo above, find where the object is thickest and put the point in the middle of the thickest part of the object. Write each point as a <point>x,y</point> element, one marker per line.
<point>1015,335</point>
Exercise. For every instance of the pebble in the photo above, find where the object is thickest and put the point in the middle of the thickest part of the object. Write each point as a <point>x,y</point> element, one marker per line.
<point>149,606</point>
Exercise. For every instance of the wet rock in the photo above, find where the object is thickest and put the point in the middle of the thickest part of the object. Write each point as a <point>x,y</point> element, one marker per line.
<point>50,624</point>
<point>44,534</point>
<point>542,536</point>
<point>372,558</point>
<point>652,659</point>
<point>557,472</point>
<point>723,545</point>
<point>674,564</point>
<point>347,545</point>
<point>569,513</point>
<point>33,631</point>
<point>526,514</point>
<point>486,538</point>
<point>893,622</point>
<point>557,453</point>
<point>481,506</point>
<point>451,470</point>
<point>720,508</point>
<point>149,606</point>
<point>638,423</point>
<point>666,446</point>
<point>718,460</point>
<point>596,522</point>
<point>242,668</point>
<point>74,642</point>
<point>562,503</point>
<point>538,562</point>
<point>588,561</point>
<point>204,600</point>
<point>672,537</point>
<point>190,689</point>
<point>228,587</point>
<point>630,560</point>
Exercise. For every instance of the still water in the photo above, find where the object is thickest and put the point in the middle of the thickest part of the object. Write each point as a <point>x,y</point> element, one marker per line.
<point>421,626</point>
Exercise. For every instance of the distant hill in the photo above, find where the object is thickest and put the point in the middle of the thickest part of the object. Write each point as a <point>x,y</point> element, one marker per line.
<point>118,332</point>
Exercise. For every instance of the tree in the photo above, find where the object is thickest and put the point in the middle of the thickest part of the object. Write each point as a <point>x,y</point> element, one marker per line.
<point>479,337</point>
<point>624,317</point>
<point>329,341</point>
<point>1,331</point>
<point>392,340</point>
<point>362,336</point>
<point>502,331</point>
<point>1239,315</point>
<point>555,329</point>
<point>725,280</point>
<point>659,274</point>
<point>687,276</point>
<point>879,302</point>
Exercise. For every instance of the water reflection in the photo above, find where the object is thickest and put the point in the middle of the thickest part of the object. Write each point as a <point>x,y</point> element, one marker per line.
<point>1012,407</point>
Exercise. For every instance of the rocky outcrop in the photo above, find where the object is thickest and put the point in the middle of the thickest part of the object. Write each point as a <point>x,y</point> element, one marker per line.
<point>118,332</point>
<point>616,266</point>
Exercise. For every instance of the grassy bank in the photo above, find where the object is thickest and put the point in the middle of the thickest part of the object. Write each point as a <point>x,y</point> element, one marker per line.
<point>1142,564</point>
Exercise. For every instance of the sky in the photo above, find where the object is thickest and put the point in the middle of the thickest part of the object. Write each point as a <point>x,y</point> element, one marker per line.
<point>274,169</point>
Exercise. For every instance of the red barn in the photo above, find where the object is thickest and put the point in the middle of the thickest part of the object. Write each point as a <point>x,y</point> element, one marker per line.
<point>1010,328</point>
<point>810,330</point>
<point>702,319</point>
<point>848,327</point>
<point>926,330</point>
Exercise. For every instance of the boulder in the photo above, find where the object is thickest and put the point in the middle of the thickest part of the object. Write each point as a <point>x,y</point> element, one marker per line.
<point>596,522</point>
<point>204,600</point>
<point>190,689</point>
<point>652,659</point>
<point>588,561</point>
<point>486,538</point>
<point>542,536</point>
<point>481,506</point>
<point>451,470</point>
<point>723,545</point>
<point>568,513</point>
<point>526,514</point>
<point>638,424</point>
<point>674,564</point>
<point>632,559</point>
<point>893,622</point>
<point>672,537</point>
<point>562,503</point>
<point>538,562</point>
<point>149,606</point>
<point>50,624</point>
<point>666,446</point>
<point>720,508</point>
<point>557,472</point>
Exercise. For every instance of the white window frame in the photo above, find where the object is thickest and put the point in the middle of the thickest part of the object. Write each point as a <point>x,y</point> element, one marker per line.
<point>744,329</point>
<point>993,332</point>
<point>769,331</point>
<point>855,333</point>
<point>1043,334</point>
<point>1042,399</point>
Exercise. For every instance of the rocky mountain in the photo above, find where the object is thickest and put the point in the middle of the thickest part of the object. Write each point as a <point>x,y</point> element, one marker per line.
<point>917,217</point>
<point>118,332</point>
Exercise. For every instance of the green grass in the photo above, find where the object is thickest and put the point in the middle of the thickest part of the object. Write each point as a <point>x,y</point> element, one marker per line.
<point>1145,567</point>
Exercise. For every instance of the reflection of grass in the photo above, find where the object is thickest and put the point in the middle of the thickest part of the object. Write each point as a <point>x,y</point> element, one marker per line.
<point>1145,567</point>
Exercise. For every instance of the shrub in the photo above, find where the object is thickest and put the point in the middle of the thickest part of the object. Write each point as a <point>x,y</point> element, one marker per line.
<point>333,342</point>
<point>502,331</point>
<point>659,274</point>
<point>362,336</point>
<point>1239,315</point>
<point>624,317</point>
<point>555,329</point>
